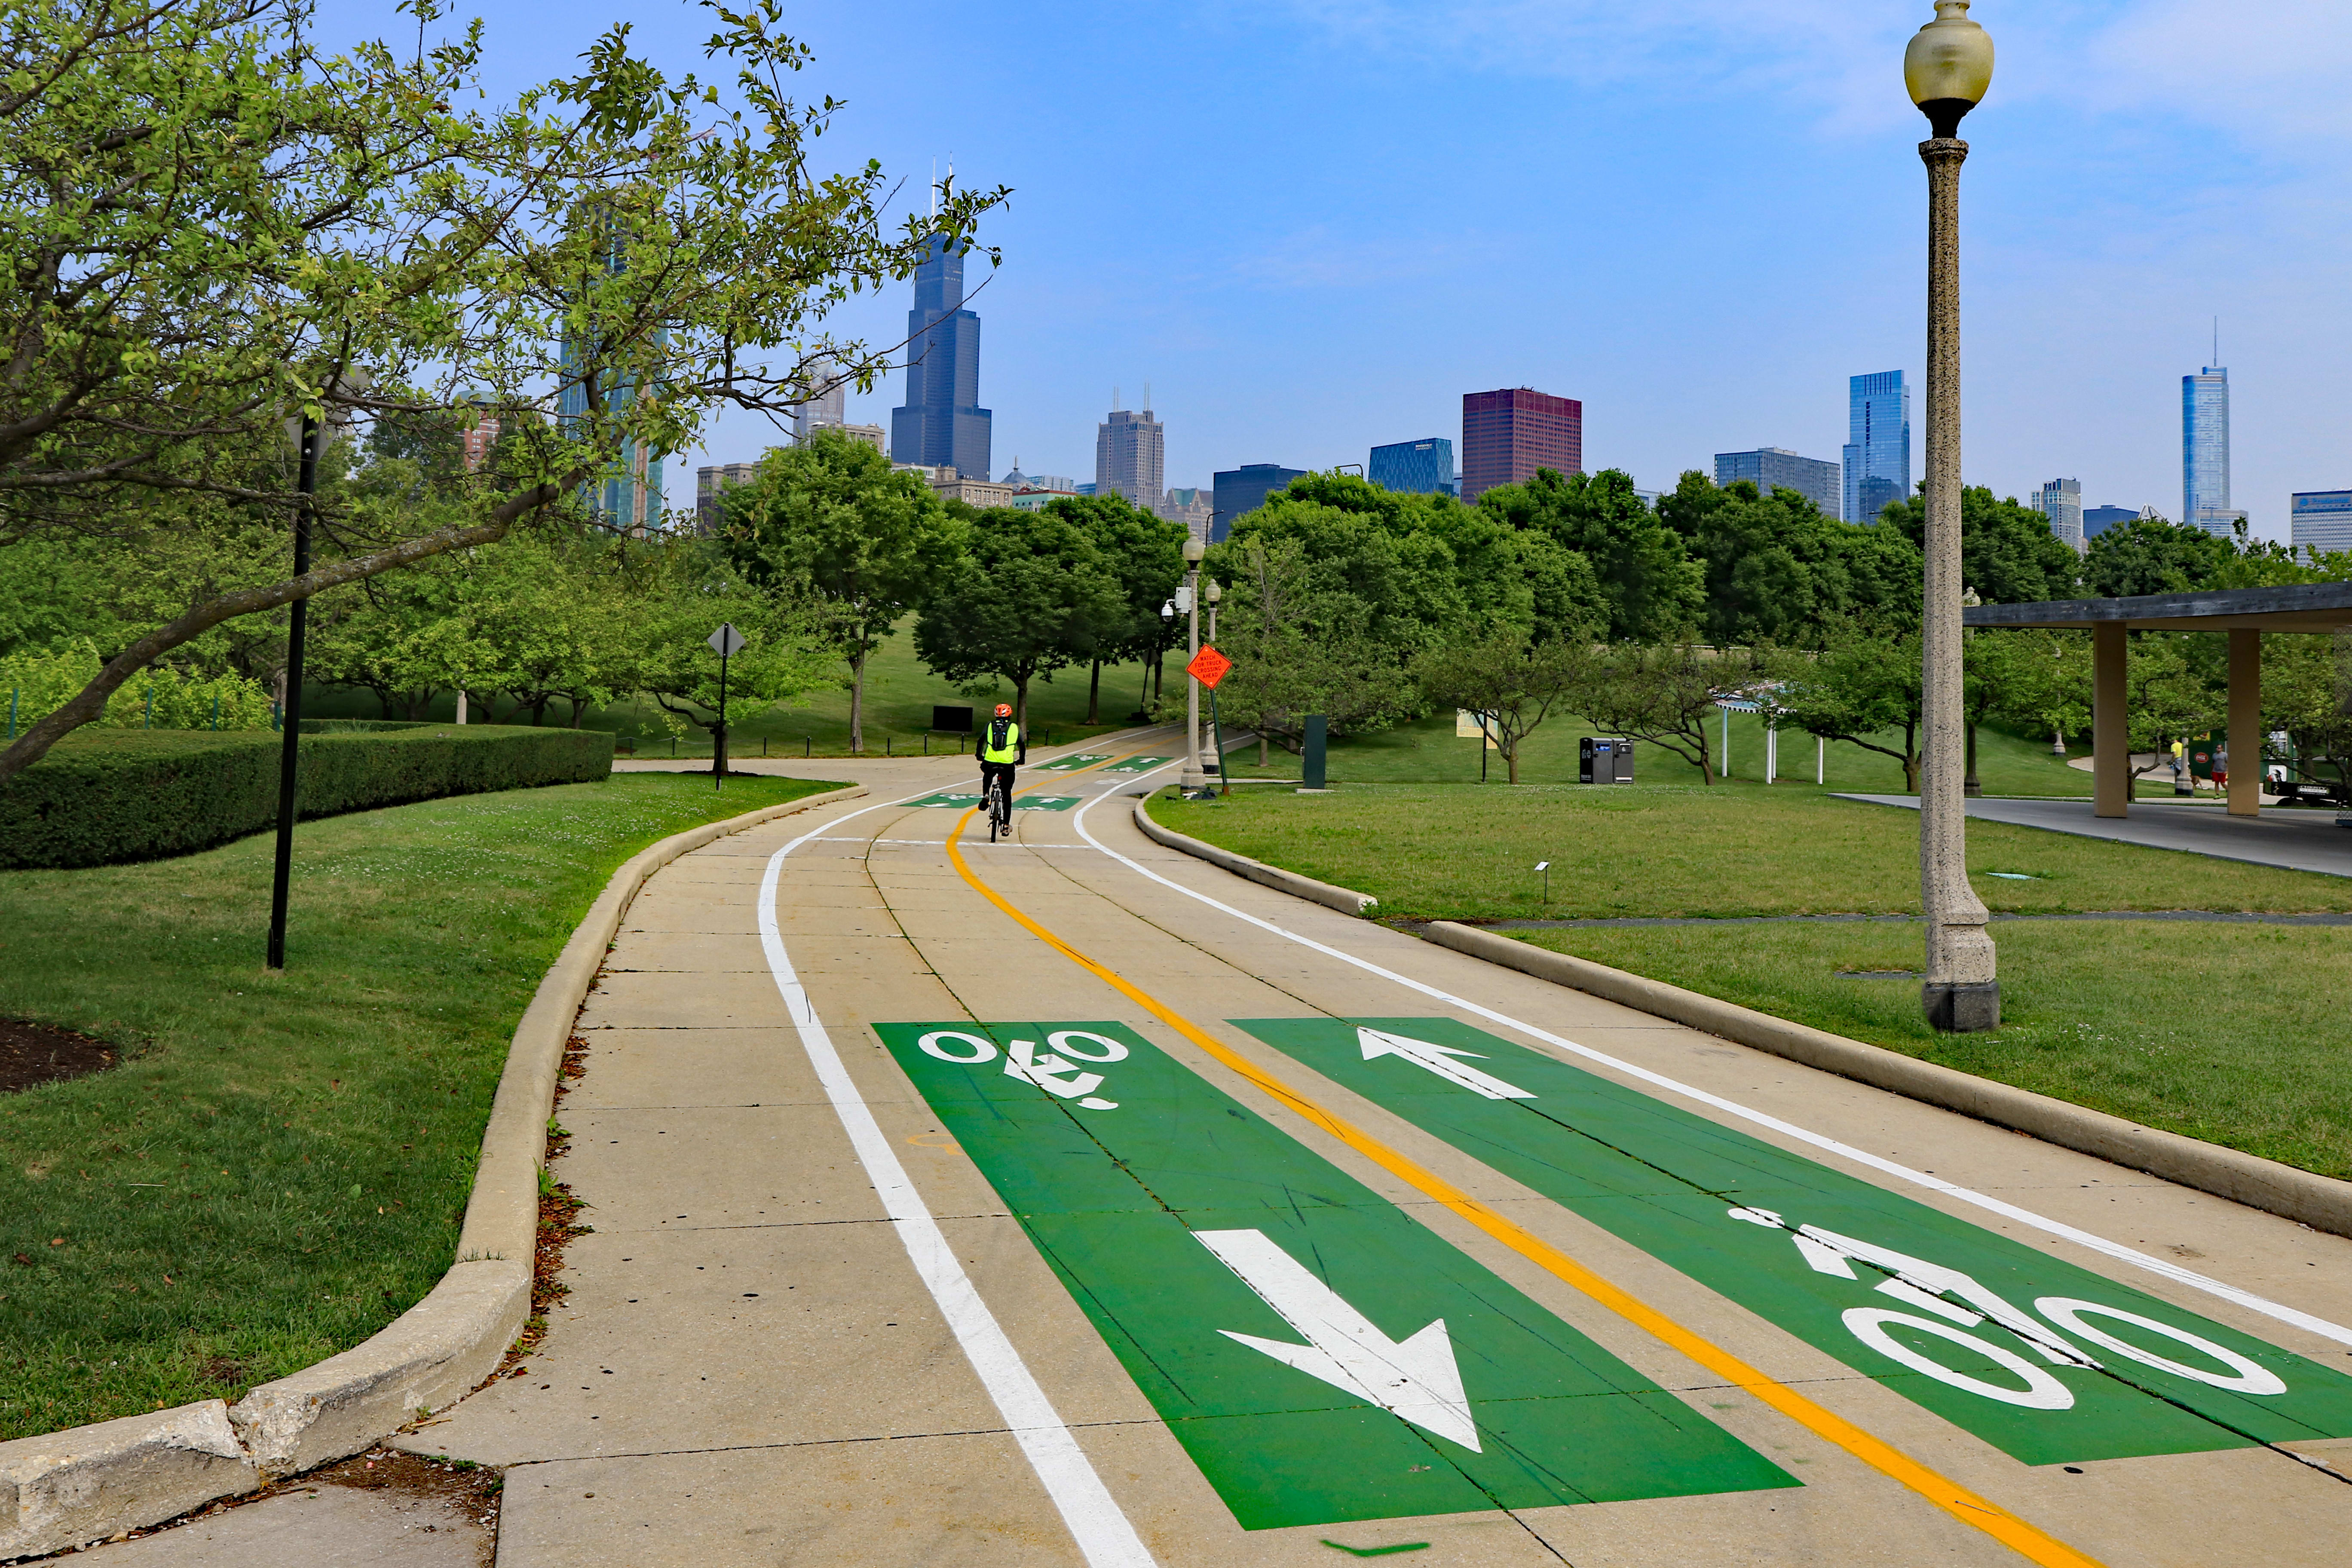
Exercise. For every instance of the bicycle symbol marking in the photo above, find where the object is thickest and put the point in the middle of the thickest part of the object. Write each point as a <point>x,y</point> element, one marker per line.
<point>1947,1302</point>
<point>1066,1079</point>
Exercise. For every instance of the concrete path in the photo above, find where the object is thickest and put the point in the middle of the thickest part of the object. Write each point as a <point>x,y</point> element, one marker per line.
<point>2300,839</point>
<point>1081,1203</point>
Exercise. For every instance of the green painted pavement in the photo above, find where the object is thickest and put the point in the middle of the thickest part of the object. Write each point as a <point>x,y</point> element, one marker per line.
<point>1020,802</point>
<point>1138,765</point>
<point>1064,764</point>
<point>1127,1169</point>
<point>1987,1333</point>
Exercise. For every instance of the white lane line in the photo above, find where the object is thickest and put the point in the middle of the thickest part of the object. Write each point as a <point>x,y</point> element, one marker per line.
<point>2100,1244</point>
<point>1102,1530</point>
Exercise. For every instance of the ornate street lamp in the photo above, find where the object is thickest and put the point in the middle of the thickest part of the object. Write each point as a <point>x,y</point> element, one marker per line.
<point>1948,68</point>
<point>1188,599</point>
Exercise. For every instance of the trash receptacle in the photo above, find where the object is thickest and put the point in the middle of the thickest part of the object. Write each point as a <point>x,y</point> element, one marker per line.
<point>1620,755</point>
<point>1593,763</point>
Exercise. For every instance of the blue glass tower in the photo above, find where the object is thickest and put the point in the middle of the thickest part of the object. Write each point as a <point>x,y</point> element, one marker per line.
<point>2205,452</point>
<point>1419,467</point>
<point>628,496</point>
<point>941,424</point>
<point>1878,444</point>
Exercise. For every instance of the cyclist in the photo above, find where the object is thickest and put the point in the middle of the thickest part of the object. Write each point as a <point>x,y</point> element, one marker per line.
<point>1001,745</point>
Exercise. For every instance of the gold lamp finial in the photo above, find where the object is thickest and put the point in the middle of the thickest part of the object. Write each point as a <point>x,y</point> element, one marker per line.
<point>1948,66</point>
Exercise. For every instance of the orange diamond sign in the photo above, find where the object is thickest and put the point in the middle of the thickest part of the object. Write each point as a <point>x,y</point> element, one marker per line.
<point>1208,667</point>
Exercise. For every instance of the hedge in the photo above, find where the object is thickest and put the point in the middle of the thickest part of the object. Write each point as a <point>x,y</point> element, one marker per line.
<point>101,797</point>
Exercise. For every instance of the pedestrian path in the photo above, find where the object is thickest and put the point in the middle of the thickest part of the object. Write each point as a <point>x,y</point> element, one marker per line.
<point>1072,1201</point>
<point>2297,839</point>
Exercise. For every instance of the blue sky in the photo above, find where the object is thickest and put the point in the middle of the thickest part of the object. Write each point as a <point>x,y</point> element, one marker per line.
<point>1312,225</point>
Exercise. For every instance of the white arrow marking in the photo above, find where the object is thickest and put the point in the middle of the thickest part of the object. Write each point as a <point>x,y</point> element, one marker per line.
<point>1439,1059</point>
<point>1416,1379</point>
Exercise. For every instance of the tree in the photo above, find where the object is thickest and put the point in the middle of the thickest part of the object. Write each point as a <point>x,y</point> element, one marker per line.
<point>870,542</point>
<point>693,593</point>
<point>2039,678</point>
<point>2008,553</point>
<point>1777,571</point>
<point>1643,577</point>
<point>1512,683</point>
<point>2164,699</point>
<point>2307,692</point>
<point>1861,688</point>
<point>1029,595</point>
<point>1146,553</point>
<point>1662,693</point>
<point>1299,649</point>
<point>218,228</point>
<point>2151,555</point>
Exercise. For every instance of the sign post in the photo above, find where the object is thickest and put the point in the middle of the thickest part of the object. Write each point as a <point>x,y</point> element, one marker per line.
<point>727,642</point>
<point>1209,666</point>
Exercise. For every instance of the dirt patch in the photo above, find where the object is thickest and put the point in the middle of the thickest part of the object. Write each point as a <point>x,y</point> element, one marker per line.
<point>558,1222</point>
<point>33,1054</point>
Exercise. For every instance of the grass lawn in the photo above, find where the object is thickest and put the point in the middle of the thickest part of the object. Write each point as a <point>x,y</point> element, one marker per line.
<point>2233,1034</point>
<point>900,695</point>
<point>278,1167</point>
<point>1461,852</point>
<point>1428,752</point>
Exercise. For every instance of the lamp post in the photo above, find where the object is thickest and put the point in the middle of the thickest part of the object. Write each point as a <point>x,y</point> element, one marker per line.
<point>1947,67</point>
<point>1188,599</point>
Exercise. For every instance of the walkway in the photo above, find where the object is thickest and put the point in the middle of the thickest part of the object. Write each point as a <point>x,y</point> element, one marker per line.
<point>2294,839</point>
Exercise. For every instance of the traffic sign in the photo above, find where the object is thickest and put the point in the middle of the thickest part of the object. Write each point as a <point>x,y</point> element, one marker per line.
<point>1208,667</point>
<point>726,642</point>
<point>2049,1362</point>
<point>1321,1356</point>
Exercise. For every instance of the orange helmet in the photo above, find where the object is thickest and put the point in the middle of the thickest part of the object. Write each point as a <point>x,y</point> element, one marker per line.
<point>1004,709</point>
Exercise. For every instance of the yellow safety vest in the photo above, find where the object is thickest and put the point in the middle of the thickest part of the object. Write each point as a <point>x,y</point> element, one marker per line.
<point>1006,750</point>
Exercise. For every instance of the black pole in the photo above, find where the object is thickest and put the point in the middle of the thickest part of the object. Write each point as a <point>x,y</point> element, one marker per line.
<point>1224,786</point>
<point>289,751</point>
<point>718,751</point>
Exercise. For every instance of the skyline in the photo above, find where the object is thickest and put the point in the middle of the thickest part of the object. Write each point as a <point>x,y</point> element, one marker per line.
<point>1330,253</point>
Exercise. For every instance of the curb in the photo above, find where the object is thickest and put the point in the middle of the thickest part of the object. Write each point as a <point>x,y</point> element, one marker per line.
<point>2320,1201</point>
<point>81,1485</point>
<point>1345,900</point>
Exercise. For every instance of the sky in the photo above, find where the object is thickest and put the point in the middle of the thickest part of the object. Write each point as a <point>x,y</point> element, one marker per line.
<point>1311,226</point>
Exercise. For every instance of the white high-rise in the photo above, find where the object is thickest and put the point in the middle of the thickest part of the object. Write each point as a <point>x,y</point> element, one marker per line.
<point>1131,457</point>
<point>2061,501</point>
<point>828,406</point>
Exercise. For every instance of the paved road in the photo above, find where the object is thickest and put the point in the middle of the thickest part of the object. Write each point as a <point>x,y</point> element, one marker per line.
<point>2298,839</point>
<point>1068,1201</point>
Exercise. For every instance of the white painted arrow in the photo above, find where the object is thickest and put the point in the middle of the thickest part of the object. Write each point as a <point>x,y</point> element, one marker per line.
<point>1439,1059</point>
<point>1417,1378</point>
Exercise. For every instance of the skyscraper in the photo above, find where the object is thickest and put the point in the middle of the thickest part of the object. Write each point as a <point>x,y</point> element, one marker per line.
<point>1877,443</point>
<point>2097,520</point>
<point>2322,520</point>
<point>628,495</point>
<point>829,406</point>
<point>710,484</point>
<point>1419,467</point>
<point>941,424</point>
<point>1776,467</point>
<point>2061,501</point>
<point>2205,452</point>
<point>1244,489</point>
<point>1508,434</point>
<point>1131,457</point>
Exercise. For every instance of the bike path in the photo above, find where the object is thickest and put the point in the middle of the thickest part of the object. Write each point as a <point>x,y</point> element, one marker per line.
<point>1232,1316</point>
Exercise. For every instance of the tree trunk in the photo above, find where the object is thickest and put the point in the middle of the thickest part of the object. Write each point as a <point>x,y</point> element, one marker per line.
<point>858,702</point>
<point>1021,702</point>
<point>1094,694</point>
<point>1261,747</point>
<point>1511,761</point>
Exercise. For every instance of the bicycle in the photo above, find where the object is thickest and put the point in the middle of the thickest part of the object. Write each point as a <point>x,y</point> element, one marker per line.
<point>999,811</point>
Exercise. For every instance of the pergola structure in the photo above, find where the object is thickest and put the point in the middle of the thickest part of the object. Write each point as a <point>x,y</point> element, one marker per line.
<point>2244,613</point>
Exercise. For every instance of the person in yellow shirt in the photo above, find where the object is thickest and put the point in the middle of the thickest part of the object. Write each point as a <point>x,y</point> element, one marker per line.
<point>1002,747</point>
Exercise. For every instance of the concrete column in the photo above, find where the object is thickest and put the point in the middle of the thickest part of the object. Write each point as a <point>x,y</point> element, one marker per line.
<point>1960,992</point>
<point>2110,740</point>
<point>2245,723</point>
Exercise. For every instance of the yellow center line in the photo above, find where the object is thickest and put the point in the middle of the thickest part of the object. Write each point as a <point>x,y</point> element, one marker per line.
<point>2025,1539</point>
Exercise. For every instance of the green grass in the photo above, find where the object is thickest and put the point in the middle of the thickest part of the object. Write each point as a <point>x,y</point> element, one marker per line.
<point>1428,752</point>
<point>278,1167</point>
<point>900,695</point>
<point>1461,852</point>
<point>2233,1034</point>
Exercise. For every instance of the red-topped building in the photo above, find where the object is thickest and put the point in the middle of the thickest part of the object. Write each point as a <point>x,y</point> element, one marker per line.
<point>1508,434</point>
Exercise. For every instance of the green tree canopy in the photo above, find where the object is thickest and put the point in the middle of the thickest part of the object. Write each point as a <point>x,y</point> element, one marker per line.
<point>1512,684</point>
<point>870,543</point>
<point>1778,571</point>
<point>1300,649</point>
<point>2152,555</point>
<point>1030,594</point>
<point>1645,581</point>
<point>2008,553</point>
<point>1146,553</point>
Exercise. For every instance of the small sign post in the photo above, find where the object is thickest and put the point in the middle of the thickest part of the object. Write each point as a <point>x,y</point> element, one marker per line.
<point>1545,866</point>
<point>727,642</point>
<point>1209,666</point>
